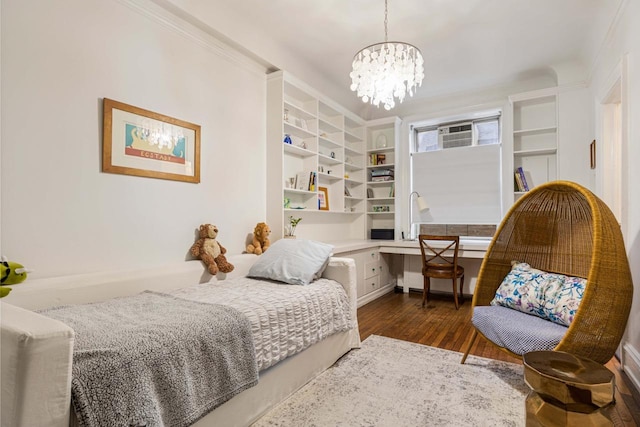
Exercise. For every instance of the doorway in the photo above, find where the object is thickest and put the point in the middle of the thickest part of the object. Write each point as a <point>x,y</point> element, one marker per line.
<point>611,152</point>
<point>611,168</point>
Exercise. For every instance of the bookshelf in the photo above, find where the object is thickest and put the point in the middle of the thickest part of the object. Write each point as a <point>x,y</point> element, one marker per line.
<point>535,137</point>
<point>382,139</point>
<point>324,141</point>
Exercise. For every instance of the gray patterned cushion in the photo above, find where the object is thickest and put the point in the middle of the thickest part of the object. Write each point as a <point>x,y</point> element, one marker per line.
<point>516,331</point>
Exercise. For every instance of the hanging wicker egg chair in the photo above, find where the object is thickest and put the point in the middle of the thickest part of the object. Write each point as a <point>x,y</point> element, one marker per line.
<point>562,227</point>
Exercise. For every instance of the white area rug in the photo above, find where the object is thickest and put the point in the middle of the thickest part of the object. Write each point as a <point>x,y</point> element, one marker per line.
<point>389,382</point>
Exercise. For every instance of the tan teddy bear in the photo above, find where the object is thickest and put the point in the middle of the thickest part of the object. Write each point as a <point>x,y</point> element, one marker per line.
<point>210,251</point>
<point>260,239</point>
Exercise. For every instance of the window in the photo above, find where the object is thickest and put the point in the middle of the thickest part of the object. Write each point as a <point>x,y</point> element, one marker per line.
<point>455,164</point>
<point>427,139</point>
<point>484,131</point>
<point>487,131</point>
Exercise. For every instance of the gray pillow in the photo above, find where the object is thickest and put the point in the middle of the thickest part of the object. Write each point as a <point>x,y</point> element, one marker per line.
<point>292,261</point>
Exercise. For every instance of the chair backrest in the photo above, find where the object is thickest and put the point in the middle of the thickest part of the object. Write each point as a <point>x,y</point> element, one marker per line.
<point>440,250</point>
<point>562,227</point>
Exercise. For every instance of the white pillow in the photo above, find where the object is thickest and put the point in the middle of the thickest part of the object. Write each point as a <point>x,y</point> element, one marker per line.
<point>292,261</point>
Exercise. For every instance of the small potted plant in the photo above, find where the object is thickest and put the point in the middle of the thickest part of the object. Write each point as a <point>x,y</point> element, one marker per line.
<point>290,231</point>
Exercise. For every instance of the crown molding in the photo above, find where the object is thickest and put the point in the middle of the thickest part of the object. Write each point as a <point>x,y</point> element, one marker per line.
<point>189,31</point>
<point>608,38</point>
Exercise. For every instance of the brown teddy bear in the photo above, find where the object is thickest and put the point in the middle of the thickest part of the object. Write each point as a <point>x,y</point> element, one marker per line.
<point>260,239</point>
<point>210,251</point>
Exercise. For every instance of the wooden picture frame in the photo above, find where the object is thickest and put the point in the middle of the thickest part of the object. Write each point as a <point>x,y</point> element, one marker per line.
<point>592,153</point>
<point>323,198</point>
<point>143,143</point>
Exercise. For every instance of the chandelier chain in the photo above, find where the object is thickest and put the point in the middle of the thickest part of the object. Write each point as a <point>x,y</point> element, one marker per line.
<point>386,22</point>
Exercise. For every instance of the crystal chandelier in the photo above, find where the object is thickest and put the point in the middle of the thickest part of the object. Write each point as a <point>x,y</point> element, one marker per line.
<point>388,70</point>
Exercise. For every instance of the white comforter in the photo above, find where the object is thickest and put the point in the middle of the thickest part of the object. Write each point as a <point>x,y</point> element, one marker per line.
<point>285,319</point>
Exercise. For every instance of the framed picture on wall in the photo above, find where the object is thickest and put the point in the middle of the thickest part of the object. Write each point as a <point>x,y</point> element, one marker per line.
<point>143,143</point>
<point>323,198</point>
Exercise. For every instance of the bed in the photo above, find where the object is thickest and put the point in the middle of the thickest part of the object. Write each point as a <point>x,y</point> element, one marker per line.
<point>37,350</point>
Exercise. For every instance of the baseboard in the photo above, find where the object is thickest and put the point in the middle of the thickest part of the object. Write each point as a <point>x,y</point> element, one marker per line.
<point>375,294</point>
<point>632,365</point>
<point>400,289</point>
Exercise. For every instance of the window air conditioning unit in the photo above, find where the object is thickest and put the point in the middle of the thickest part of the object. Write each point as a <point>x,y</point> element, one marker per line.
<point>455,135</point>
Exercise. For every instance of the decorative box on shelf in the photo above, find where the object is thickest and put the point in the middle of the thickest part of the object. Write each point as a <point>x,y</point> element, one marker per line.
<point>382,234</point>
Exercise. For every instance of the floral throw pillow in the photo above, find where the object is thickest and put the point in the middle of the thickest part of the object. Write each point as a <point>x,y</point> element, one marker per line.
<point>551,296</point>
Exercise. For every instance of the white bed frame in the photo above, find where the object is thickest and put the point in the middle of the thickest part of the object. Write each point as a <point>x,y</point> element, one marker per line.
<point>36,351</point>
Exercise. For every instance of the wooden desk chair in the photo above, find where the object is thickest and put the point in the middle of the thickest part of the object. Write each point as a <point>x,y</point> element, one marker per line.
<point>440,262</point>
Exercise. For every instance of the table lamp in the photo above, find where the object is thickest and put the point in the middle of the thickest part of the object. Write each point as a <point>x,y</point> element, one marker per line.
<point>422,207</point>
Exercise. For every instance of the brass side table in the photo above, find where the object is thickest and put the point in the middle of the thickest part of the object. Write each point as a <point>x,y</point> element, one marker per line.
<point>567,390</point>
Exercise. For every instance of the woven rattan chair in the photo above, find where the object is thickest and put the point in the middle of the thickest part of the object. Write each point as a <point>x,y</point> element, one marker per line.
<point>562,227</point>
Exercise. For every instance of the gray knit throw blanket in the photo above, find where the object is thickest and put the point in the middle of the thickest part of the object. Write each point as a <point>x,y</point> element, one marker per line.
<point>156,360</point>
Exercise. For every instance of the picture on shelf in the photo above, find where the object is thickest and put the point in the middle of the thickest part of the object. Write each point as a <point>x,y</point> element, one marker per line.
<point>346,191</point>
<point>323,198</point>
<point>370,193</point>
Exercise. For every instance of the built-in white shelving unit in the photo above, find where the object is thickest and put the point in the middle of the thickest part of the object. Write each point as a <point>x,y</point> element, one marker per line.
<point>327,146</point>
<point>382,141</point>
<point>535,136</point>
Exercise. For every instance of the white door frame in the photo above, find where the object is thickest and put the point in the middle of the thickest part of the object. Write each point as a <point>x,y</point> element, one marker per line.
<point>612,143</point>
<point>612,150</point>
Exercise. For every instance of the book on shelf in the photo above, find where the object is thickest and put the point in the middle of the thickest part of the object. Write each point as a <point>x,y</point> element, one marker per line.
<point>313,177</point>
<point>305,181</point>
<point>523,179</point>
<point>519,186</point>
<point>381,159</point>
<point>392,191</point>
<point>381,178</point>
<point>377,159</point>
<point>382,172</point>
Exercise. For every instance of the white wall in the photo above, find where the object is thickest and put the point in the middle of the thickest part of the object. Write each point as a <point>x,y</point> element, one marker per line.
<point>60,213</point>
<point>623,39</point>
<point>574,135</point>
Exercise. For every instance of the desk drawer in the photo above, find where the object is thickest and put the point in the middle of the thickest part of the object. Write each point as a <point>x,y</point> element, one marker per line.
<point>372,283</point>
<point>371,269</point>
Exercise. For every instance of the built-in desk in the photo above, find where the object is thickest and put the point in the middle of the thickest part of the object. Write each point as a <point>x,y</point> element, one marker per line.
<point>470,254</point>
<point>469,248</point>
<point>400,264</point>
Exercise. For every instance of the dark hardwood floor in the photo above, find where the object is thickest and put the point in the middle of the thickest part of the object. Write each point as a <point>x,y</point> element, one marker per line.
<point>439,324</point>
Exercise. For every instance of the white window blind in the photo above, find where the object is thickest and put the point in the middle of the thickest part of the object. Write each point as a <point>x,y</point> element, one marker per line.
<point>461,185</point>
